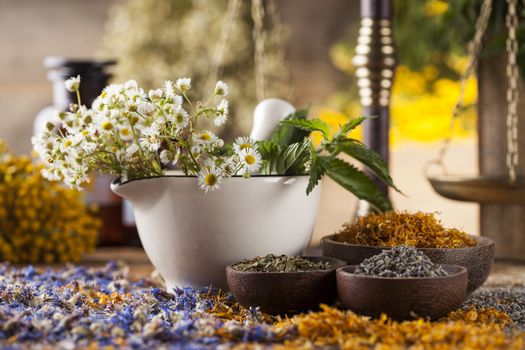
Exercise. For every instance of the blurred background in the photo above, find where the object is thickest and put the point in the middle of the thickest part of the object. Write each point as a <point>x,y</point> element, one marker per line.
<point>307,60</point>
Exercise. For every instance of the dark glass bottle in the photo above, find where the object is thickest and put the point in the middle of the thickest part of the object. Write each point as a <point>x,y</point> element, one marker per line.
<point>94,77</point>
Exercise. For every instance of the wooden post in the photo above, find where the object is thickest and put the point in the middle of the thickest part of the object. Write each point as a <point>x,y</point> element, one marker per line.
<point>375,62</point>
<point>505,224</point>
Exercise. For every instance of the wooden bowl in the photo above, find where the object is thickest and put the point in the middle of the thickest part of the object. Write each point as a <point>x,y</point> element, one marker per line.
<point>285,292</point>
<point>403,298</point>
<point>477,259</point>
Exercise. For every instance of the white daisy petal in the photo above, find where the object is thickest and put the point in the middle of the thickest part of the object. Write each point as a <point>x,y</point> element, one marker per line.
<point>210,179</point>
<point>183,84</point>
<point>72,84</point>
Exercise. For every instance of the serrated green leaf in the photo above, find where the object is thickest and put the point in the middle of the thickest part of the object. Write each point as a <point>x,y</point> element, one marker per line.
<point>284,159</point>
<point>356,182</point>
<point>286,134</point>
<point>317,170</point>
<point>309,125</point>
<point>351,125</point>
<point>370,159</point>
<point>291,159</point>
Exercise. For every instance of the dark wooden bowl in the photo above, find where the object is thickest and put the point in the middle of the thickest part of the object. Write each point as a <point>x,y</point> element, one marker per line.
<point>285,292</point>
<point>477,259</point>
<point>403,298</point>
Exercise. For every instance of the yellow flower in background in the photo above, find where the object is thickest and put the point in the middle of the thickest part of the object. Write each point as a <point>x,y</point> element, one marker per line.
<point>435,8</point>
<point>40,221</point>
<point>421,107</point>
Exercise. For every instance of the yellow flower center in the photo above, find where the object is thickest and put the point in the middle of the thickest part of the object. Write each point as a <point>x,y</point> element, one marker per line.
<point>210,179</point>
<point>107,125</point>
<point>245,146</point>
<point>250,159</point>
<point>205,137</point>
<point>125,132</point>
<point>68,143</point>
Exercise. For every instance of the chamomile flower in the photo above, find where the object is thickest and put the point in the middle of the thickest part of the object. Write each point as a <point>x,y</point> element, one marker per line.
<point>146,108</point>
<point>166,156</point>
<point>229,166</point>
<point>250,160</point>
<point>72,84</point>
<point>131,85</point>
<point>132,150</point>
<point>243,143</point>
<point>68,143</point>
<point>210,179</point>
<point>125,132</point>
<point>221,89</point>
<point>157,94</point>
<point>221,113</point>
<point>89,147</point>
<point>168,88</point>
<point>106,125</point>
<point>205,138</point>
<point>150,142</point>
<point>181,118</point>
<point>151,130</point>
<point>183,84</point>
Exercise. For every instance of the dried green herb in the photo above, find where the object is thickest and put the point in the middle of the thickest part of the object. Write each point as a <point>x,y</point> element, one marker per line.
<point>280,263</point>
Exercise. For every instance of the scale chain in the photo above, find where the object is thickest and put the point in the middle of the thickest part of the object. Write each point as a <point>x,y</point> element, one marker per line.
<point>259,42</point>
<point>511,21</point>
<point>512,95</point>
<point>474,48</point>
<point>232,13</point>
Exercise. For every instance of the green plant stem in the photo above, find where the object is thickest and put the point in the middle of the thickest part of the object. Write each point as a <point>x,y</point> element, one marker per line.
<point>78,97</point>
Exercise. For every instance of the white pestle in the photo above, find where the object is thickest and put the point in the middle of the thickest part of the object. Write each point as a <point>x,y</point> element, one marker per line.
<point>267,116</point>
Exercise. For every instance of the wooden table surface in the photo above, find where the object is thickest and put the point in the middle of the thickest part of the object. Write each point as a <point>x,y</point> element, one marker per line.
<point>504,273</point>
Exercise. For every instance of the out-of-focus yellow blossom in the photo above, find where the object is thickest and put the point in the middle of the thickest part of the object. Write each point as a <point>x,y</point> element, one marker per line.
<point>422,106</point>
<point>435,8</point>
<point>40,221</point>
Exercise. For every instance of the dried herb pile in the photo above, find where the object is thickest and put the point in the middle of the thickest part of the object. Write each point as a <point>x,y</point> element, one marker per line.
<point>280,263</point>
<point>390,229</point>
<point>484,329</point>
<point>101,308</point>
<point>401,261</point>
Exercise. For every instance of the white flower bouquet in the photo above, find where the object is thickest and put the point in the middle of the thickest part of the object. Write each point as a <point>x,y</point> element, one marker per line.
<point>134,134</point>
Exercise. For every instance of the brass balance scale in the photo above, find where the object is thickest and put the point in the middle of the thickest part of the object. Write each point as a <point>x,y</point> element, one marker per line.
<point>504,190</point>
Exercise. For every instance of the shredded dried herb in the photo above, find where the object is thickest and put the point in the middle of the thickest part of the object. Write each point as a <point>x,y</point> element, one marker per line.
<point>280,263</point>
<point>390,229</point>
<point>473,329</point>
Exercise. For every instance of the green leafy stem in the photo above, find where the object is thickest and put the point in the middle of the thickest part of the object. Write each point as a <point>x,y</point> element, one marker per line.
<point>289,152</point>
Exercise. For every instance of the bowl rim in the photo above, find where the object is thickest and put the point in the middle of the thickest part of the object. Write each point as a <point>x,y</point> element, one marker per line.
<point>335,261</point>
<point>345,274</point>
<point>118,180</point>
<point>482,241</point>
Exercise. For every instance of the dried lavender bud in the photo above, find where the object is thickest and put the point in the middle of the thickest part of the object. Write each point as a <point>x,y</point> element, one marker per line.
<point>510,300</point>
<point>280,263</point>
<point>401,261</point>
